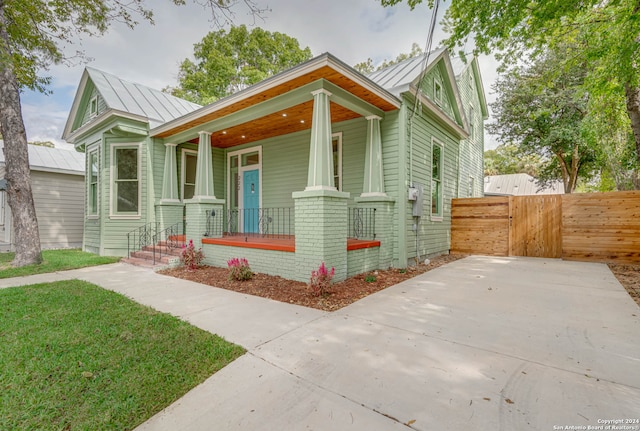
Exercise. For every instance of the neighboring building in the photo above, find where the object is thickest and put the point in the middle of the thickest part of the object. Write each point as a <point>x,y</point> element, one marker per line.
<point>519,185</point>
<point>318,163</point>
<point>57,182</point>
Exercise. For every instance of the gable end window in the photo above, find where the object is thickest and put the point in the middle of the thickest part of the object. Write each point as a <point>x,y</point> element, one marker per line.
<point>437,91</point>
<point>92,192</point>
<point>125,184</point>
<point>437,153</point>
<point>93,106</point>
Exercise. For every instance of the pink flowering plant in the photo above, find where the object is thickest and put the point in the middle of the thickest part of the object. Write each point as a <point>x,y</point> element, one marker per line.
<point>191,258</point>
<point>321,280</point>
<point>239,269</point>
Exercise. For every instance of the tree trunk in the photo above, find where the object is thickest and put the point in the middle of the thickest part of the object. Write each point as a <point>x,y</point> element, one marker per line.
<point>633,109</point>
<point>19,195</point>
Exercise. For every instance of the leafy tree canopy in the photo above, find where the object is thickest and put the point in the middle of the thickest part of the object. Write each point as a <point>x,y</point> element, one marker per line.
<point>543,109</point>
<point>508,159</point>
<point>228,61</point>
<point>606,32</point>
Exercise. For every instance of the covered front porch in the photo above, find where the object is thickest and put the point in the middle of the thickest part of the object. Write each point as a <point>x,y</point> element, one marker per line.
<point>283,144</point>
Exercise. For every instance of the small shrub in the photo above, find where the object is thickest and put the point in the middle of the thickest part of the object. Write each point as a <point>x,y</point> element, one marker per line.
<point>402,270</point>
<point>191,258</point>
<point>370,278</point>
<point>321,280</point>
<point>239,269</point>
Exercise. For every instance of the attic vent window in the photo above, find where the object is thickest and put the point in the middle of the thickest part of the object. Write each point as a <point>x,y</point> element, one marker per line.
<point>93,106</point>
<point>437,91</point>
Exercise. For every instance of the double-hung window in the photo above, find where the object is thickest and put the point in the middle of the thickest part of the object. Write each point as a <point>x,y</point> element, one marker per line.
<point>125,185</point>
<point>436,179</point>
<point>92,192</point>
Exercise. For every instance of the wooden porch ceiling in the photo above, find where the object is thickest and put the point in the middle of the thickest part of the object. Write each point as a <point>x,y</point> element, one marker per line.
<point>289,120</point>
<point>283,122</point>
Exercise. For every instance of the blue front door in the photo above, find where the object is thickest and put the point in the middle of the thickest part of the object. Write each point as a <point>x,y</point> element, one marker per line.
<point>251,200</point>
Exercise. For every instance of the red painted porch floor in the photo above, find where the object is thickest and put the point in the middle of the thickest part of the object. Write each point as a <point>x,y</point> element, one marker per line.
<point>281,243</point>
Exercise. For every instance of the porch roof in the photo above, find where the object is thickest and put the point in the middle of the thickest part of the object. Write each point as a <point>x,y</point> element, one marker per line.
<point>282,104</point>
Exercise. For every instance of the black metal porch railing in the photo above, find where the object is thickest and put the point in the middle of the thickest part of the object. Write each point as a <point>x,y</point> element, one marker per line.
<point>141,237</point>
<point>362,223</point>
<point>254,222</point>
<point>168,240</point>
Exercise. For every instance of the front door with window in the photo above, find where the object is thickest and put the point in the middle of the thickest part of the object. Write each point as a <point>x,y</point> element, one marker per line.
<point>251,200</point>
<point>244,195</point>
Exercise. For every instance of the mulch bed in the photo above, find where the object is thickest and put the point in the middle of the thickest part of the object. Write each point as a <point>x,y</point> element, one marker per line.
<point>296,292</point>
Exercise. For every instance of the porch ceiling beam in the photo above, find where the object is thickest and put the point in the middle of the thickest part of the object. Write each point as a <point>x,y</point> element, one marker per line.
<point>351,102</point>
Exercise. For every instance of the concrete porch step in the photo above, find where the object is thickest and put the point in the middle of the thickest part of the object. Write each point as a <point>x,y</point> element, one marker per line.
<point>164,259</point>
<point>144,263</point>
<point>163,249</point>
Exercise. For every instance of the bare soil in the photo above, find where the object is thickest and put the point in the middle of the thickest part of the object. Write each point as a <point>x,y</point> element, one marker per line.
<point>349,291</point>
<point>629,276</point>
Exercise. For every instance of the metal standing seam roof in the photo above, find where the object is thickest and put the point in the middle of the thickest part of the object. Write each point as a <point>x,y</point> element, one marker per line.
<point>52,159</point>
<point>138,99</point>
<point>519,185</point>
<point>397,77</point>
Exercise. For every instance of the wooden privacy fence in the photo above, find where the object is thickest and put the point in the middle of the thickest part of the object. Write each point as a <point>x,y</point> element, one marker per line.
<point>602,227</point>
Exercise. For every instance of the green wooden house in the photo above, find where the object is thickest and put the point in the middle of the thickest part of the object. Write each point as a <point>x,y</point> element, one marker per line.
<point>316,164</point>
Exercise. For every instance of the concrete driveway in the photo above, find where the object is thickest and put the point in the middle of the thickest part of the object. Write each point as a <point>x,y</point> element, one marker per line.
<point>480,344</point>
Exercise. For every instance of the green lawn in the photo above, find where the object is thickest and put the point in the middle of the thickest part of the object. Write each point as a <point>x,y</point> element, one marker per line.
<point>54,260</point>
<point>74,356</point>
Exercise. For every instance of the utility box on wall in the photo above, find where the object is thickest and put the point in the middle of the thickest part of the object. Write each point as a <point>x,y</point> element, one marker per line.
<point>417,192</point>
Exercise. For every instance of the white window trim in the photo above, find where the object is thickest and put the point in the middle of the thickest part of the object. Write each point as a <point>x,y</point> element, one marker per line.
<point>124,216</point>
<point>438,100</point>
<point>440,215</point>
<point>93,113</point>
<point>93,149</point>
<point>339,175</point>
<point>183,170</point>
<point>472,125</point>
<point>241,169</point>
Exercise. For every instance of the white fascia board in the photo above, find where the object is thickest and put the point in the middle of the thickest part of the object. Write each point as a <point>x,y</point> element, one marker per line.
<point>281,78</point>
<point>438,112</point>
<point>56,171</point>
<point>101,120</point>
<point>74,106</point>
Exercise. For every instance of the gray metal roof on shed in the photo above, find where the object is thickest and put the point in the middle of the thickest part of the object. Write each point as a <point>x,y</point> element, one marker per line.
<point>139,99</point>
<point>518,185</point>
<point>397,77</point>
<point>52,159</point>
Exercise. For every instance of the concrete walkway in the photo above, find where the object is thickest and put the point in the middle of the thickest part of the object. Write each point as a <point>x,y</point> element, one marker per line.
<point>481,344</point>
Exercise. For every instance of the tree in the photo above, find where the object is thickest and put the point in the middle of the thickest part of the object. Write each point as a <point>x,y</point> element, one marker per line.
<point>543,109</point>
<point>226,62</point>
<point>608,33</point>
<point>608,123</point>
<point>32,34</point>
<point>508,159</point>
<point>367,67</point>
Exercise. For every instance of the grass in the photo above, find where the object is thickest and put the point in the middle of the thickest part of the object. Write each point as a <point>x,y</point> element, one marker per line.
<point>54,260</point>
<point>74,356</point>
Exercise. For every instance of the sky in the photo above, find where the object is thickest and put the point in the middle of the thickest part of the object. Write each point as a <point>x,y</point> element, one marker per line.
<point>352,30</point>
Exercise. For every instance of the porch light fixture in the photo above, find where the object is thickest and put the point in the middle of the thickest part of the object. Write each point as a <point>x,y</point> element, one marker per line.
<point>224,132</point>
<point>302,121</point>
<point>243,136</point>
<point>284,114</point>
